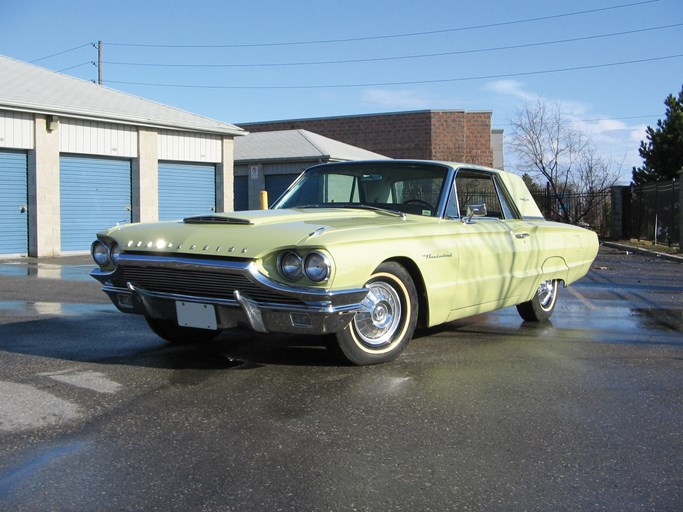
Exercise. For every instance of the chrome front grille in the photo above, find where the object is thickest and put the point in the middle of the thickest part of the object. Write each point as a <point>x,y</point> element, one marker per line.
<point>198,283</point>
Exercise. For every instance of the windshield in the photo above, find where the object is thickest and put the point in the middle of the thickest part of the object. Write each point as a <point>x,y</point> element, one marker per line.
<point>404,187</point>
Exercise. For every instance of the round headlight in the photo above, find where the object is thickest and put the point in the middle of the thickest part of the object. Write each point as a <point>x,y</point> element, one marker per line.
<point>291,265</point>
<point>317,267</point>
<point>100,253</point>
<point>114,253</point>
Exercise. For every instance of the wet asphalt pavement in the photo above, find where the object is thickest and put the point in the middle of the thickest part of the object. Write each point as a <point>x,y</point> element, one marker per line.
<point>485,414</point>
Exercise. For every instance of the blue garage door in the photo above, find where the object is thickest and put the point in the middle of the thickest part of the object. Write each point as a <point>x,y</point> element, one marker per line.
<point>276,184</point>
<point>95,195</point>
<point>241,193</point>
<point>186,189</point>
<point>13,202</point>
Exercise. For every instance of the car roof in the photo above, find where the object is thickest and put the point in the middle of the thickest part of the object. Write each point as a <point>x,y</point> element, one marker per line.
<point>453,165</point>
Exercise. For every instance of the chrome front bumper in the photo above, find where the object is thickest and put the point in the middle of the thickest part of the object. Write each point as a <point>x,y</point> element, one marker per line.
<point>280,309</point>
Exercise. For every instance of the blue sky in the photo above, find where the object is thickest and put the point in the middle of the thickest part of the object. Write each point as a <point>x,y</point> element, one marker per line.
<point>609,63</point>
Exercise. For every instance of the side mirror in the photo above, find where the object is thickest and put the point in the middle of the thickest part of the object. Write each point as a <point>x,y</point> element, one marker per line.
<point>474,210</point>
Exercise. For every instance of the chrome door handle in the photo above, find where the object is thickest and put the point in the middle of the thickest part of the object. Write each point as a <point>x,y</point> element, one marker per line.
<point>522,235</point>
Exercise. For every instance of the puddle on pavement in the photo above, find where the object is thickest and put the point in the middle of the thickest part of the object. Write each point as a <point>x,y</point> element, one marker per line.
<point>15,476</point>
<point>662,319</point>
<point>46,271</point>
<point>609,322</point>
<point>55,308</point>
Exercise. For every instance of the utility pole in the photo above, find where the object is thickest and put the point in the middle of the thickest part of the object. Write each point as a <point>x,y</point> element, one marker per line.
<point>99,62</point>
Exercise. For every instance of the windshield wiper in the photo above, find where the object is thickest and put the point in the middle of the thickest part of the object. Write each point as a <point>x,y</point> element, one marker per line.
<point>374,208</point>
<point>354,207</point>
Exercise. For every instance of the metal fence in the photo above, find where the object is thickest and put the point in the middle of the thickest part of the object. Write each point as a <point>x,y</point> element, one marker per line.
<point>655,212</point>
<point>592,210</point>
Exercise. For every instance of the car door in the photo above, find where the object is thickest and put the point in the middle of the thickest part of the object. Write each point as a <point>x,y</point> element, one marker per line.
<point>495,247</point>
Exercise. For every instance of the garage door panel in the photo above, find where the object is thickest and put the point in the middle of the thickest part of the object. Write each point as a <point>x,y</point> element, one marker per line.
<point>13,202</point>
<point>186,189</point>
<point>95,194</point>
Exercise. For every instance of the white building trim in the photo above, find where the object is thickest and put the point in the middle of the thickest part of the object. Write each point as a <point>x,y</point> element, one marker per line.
<point>189,147</point>
<point>16,130</point>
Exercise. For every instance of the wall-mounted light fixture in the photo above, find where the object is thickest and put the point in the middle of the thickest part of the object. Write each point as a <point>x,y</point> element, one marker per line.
<point>52,123</point>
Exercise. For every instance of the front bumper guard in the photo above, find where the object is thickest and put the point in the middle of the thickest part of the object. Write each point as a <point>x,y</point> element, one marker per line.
<point>321,313</point>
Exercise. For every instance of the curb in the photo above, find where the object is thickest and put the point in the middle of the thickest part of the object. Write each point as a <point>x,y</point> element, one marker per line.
<point>644,252</point>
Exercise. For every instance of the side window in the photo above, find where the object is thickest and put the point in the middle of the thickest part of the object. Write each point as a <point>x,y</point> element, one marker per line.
<point>505,202</point>
<point>475,187</point>
<point>340,188</point>
<point>452,204</point>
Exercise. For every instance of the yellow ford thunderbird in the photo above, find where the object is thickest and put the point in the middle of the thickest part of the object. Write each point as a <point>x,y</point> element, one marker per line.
<point>362,252</point>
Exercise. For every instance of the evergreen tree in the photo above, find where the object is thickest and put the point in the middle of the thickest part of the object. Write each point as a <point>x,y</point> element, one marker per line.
<point>533,187</point>
<point>663,153</point>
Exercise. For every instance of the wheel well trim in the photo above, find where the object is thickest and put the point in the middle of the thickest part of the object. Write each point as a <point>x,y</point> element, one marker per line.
<point>420,286</point>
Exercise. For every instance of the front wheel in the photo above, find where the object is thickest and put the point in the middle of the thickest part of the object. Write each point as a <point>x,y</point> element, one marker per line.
<point>380,332</point>
<point>179,335</point>
<point>542,305</point>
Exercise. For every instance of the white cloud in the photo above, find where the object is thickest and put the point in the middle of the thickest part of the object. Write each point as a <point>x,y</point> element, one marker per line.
<point>510,88</point>
<point>613,138</point>
<point>639,133</point>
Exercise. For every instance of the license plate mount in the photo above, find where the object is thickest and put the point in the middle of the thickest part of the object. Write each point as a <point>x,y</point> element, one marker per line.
<point>197,315</point>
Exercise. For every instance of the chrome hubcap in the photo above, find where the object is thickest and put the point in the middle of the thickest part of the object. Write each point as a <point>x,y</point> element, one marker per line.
<point>377,323</point>
<point>546,292</point>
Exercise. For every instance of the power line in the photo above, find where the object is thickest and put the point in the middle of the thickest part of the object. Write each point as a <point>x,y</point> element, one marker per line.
<point>624,118</point>
<point>90,62</point>
<point>400,57</point>
<point>413,82</point>
<point>390,36</point>
<point>60,53</point>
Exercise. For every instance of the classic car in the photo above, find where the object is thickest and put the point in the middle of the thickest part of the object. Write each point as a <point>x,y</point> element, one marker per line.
<point>360,252</point>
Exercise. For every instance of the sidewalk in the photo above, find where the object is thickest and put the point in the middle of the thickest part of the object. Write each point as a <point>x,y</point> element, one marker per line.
<point>639,250</point>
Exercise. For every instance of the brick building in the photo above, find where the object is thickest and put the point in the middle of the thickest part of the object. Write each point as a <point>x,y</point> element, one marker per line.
<point>452,135</point>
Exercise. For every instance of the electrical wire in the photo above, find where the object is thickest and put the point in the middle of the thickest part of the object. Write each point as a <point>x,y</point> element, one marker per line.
<point>394,58</point>
<point>388,36</point>
<point>60,53</point>
<point>410,82</point>
<point>90,62</point>
<point>624,118</point>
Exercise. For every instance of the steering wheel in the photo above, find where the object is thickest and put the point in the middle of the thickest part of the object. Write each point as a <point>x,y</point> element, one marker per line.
<point>420,202</point>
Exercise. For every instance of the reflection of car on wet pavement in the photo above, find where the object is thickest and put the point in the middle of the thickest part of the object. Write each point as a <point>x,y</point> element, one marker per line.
<point>364,251</point>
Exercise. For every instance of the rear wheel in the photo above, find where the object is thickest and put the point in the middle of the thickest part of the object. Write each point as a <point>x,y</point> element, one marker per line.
<point>542,305</point>
<point>381,331</point>
<point>174,333</point>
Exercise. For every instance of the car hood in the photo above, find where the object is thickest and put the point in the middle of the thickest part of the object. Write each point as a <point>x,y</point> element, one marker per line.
<point>253,234</point>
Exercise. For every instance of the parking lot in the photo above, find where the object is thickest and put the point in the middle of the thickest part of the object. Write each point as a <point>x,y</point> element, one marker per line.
<point>488,413</point>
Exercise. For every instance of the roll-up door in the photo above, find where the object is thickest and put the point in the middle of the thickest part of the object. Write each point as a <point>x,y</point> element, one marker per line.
<point>241,193</point>
<point>95,195</point>
<point>276,184</point>
<point>186,189</point>
<point>13,202</point>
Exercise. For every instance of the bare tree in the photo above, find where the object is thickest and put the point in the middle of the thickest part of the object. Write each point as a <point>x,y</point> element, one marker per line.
<point>595,175</point>
<point>547,145</point>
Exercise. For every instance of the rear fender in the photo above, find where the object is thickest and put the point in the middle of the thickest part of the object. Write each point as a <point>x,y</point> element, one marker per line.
<point>554,267</point>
